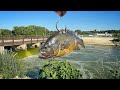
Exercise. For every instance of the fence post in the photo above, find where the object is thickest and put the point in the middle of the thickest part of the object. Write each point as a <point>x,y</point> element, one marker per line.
<point>43,38</point>
<point>23,39</point>
<point>37,38</point>
<point>31,39</point>
<point>2,41</point>
<point>13,40</point>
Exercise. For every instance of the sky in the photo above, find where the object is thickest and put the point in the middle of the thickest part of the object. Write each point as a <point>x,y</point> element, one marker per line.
<point>82,20</point>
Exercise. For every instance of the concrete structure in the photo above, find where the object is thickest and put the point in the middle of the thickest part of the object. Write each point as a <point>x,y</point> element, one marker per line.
<point>22,47</point>
<point>90,35</point>
<point>104,34</point>
<point>21,43</point>
<point>36,45</point>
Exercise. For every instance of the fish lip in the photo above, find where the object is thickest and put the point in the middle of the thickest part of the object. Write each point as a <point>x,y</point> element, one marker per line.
<point>43,57</point>
<point>43,54</point>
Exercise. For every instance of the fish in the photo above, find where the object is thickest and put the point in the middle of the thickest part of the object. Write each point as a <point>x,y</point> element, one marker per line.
<point>61,43</point>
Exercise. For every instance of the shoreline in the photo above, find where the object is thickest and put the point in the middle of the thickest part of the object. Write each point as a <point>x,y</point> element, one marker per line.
<point>105,41</point>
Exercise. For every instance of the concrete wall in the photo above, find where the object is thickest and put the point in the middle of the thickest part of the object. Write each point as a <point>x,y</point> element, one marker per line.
<point>22,47</point>
<point>36,45</point>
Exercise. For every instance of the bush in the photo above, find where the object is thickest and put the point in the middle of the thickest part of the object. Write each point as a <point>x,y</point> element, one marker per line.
<point>10,67</point>
<point>54,69</point>
<point>116,36</point>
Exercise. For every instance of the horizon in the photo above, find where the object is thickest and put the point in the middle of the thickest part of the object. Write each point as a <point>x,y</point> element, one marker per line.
<point>74,20</point>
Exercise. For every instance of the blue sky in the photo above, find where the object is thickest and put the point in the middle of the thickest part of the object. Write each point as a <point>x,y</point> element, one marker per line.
<point>83,20</point>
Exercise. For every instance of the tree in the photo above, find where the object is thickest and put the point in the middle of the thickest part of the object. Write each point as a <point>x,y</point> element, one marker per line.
<point>5,32</point>
<point>78,31</point>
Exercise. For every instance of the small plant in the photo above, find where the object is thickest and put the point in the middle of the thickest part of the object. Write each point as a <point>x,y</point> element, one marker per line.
<point>54,69</point>
<point>10,66</point>
<point>0,76</point>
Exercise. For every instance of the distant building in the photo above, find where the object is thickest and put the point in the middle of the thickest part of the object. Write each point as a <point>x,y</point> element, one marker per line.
<point>104,34</point>
<point>80,36</point>
<point>90,35</point>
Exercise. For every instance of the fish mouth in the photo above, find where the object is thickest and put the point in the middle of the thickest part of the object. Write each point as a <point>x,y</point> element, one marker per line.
<point>43,57</point>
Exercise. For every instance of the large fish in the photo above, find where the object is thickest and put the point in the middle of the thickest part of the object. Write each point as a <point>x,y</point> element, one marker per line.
<point>60,43</point>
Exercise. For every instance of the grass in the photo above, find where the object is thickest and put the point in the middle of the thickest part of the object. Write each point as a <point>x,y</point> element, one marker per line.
<point>11,66</point>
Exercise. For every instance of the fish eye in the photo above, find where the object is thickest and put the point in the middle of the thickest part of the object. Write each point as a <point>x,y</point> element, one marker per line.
<point>45,47</point>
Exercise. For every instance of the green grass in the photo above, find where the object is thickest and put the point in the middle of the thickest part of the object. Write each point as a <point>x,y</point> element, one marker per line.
<point>11,66</point>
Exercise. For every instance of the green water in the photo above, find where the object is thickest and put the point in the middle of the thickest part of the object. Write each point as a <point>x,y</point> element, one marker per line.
<point>26,53</point>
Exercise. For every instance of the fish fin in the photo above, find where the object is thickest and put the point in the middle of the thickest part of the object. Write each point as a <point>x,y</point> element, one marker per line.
<point>81,42</point>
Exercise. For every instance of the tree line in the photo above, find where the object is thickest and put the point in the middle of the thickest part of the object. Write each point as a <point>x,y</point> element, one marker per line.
<point>33,30</point>
<point>30,30</point>
<point>115,33</point>
<point>96,31</point>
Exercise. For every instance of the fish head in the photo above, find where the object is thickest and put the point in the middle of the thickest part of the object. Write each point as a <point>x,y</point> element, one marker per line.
<point>47,51</point>
<point>50,47</point>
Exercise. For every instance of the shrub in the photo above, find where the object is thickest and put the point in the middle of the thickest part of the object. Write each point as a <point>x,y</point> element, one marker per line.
<point>54,69</point>
<point>10,67</point>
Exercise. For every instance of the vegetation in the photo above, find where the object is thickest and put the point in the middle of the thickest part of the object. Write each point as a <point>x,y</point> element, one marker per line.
<point>25,31</point>
<point>96,31</point>
<point>39,30</point>
<point>54,69</point>
<point>29,30</point>
<point>5,32</point>
<point>116,36</point>
<point>14,68</point>
<point>10,66</point>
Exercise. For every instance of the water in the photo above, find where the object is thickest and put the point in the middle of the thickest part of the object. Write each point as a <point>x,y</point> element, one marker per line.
<point>86,60</point>
<point>89,53</point>
<point>27,53</point>
<point>94,53</point>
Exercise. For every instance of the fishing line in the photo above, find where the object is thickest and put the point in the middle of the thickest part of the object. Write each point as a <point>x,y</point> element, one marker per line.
<point>57,23</point>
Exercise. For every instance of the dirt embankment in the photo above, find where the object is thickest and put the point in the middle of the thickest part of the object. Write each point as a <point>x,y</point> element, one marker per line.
<point>98,40</point>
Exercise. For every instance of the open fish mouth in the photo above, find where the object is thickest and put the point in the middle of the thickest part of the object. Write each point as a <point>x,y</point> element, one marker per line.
<point>46,57</point>
<point>43,57</point>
